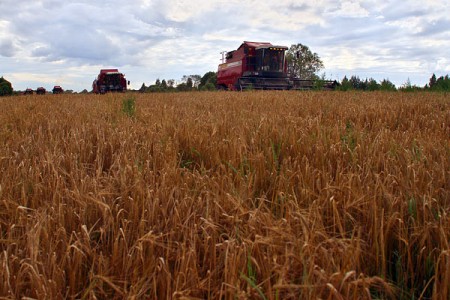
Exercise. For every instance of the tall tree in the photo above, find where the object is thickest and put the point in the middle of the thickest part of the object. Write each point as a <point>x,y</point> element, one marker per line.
<point>302,62</point>
<point>208,81</point>
<point>373,85</point>
<point>345,84</point>
<point>432,81</point>
<point>442,84</point>
<point>194,79</point>
<point>143,88</point>
<point>189,83</point>
<point>387,85</point>
<point>5,87</point>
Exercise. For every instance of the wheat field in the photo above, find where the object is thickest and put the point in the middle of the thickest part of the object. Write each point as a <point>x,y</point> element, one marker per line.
<point>224,195</point>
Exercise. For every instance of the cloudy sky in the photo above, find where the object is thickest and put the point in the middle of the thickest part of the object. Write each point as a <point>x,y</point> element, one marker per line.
<point>61,42</point>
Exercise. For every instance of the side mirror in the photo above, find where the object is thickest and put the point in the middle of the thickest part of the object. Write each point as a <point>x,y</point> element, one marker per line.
<point>128,82</point>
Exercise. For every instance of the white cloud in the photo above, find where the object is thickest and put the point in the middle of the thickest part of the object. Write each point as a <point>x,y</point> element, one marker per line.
<point>351,9</point>
<point>184,10</point>
<point>4,28</point>
<point>443,64</point>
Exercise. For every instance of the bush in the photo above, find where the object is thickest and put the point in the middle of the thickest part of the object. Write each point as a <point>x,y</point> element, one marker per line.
<point>129,106</point>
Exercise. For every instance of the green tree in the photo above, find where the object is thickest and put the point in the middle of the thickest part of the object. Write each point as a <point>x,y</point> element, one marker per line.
<point>189,83</point>
<point>442,84</point>
<point>302,62</point>
<point>409,87</point>
<point>357,83</point>
<point>5,87</point>
<point>182,87</point>
<point>195,79</point>
<point>432,81</point>
<point>154,88</point>
<point>143,88</point>
<point>208,81</point>
<point>345,84</point>
<point>373,85</point>
<point>387,85</point>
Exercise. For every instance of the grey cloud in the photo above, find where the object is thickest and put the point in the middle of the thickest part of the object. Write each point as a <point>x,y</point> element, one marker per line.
<point>438,27</point>
<point>396,12</point>
<point>86,32</point>
<point>41,52</point>
<point>299,6</point>
<point>7,48</point>
<point>350,32</point>
<point>93,47</point>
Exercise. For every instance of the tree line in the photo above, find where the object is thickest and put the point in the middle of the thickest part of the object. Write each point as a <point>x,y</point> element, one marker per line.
<point>207,82</point>
<point>369,84</point>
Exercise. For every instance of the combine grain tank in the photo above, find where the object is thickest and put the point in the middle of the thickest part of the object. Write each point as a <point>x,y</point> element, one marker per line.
<point>109,80</point>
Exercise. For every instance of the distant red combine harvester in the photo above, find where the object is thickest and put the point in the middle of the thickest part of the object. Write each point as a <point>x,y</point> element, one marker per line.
<point>28,91</point>
<point>57,90</point>
<point>40,91</point>
<point>109,80</point>
<point>256,65</point>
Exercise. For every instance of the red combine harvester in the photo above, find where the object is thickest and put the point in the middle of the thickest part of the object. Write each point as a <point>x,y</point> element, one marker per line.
<point>28,91</point>
<point>109,80</point>
<point>40,90</point>
<point>256,65</point>
<point>57,89</point>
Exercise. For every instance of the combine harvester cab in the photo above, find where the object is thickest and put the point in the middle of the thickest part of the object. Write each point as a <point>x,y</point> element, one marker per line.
<point>254,65</point>
<point>261,66</point>
<point>109,80</point>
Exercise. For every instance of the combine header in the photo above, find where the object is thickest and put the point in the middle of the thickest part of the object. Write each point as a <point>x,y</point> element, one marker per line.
<point>261,66</point>
<point>109,80</point>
